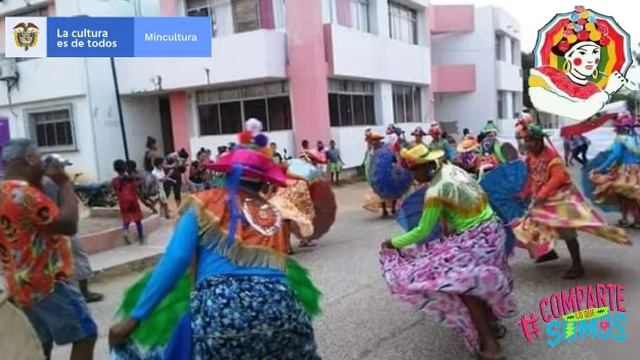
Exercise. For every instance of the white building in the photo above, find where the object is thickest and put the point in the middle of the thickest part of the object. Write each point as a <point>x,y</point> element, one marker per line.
<point>315,70</point>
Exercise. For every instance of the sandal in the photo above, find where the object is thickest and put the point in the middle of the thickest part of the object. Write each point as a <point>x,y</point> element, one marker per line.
<point>483,356</point>
<point>550,256</point>
<point>573,274</point>
<point>624,224</point>
<point>499,330</point>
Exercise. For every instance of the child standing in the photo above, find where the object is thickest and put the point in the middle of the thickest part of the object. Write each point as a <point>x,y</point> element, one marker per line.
<point>160,177</point>
<point>335,162</point>
<point>127,189</point>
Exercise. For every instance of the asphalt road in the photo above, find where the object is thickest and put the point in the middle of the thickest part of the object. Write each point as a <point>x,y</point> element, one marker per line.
<point>361,320</point>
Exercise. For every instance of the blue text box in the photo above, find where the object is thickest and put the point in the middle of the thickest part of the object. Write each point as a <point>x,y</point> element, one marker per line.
<point>90,37</point>
<point>172,36</point>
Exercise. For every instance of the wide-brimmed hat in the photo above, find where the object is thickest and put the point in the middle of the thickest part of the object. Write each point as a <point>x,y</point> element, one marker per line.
<point>254,165</point>
<point>467,144</point>
<point>418,132</point>
<point>253,157</point>
<point>372,136</point>
<point>420,154</point>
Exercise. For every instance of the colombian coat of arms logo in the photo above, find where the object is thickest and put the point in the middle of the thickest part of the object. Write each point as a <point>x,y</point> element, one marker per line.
<point>25,35</point>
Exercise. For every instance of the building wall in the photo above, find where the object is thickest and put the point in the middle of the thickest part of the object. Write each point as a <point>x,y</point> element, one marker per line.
<point>82,157</point>
<point>472,109</point>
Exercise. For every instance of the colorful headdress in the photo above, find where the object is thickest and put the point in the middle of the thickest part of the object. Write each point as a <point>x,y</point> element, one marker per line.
<point>467,144</point>
<point>625,121</point>
<point>434,129</point>
<point>522,124</point>
<point>418,132</point>
<point>490,127</point>
<point>582,27</point>
<point>393,129</point>
<point>420,154</point>
<point>370,136</point>
<point>536,131</point>
<point>252,157</point>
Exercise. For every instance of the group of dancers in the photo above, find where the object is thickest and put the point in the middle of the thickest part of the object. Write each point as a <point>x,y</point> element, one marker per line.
<point>479,204</point>
<point>227,288</point>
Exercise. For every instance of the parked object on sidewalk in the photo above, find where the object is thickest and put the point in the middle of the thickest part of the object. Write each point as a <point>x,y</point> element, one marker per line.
<point>95,194</point>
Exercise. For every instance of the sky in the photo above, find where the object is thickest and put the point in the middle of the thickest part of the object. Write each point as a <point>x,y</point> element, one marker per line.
<point>533,14</point>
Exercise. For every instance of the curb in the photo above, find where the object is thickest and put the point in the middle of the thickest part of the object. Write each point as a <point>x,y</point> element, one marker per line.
<point>133,266</point>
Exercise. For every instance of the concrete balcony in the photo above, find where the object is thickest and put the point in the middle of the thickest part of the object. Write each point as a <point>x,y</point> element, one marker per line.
<point>446,19</point>
<point>454,78</point>
<point>505,23</point>
<point>251,56</point>
<point>357,54</point>
<point>508,76</point>
<point>47,79</point>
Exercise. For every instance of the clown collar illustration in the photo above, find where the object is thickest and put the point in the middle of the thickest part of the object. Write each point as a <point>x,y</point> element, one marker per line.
<point>581,59</point>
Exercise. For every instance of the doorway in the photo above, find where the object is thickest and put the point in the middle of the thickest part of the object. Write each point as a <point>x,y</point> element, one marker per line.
<point>165,123</point>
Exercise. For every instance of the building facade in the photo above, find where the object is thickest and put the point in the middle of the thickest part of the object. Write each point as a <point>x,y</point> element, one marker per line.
<point>315,70</point>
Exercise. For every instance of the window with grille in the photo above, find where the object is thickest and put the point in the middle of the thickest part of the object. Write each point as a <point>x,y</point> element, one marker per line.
<point>351,103</point>
<point>406,104</point>
<point>53,129</point>
<point>360,15</point>
<point>403,23</point>
<point>224,111</point>
<point>501,105</point>
<point>220,11</point>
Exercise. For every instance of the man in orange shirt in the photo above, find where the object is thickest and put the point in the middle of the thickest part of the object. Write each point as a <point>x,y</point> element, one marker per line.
<point>35,251</point>
<point>558,209</point>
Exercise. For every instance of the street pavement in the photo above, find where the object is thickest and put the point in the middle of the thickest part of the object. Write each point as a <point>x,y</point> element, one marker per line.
<point>362,320</point>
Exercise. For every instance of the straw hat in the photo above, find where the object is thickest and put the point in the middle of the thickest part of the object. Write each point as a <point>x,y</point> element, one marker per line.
<point>467,144</point>
<point>420,154</point>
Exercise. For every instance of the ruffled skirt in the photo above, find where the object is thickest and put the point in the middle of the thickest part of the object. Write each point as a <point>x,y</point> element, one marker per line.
<point>432,277</point>
<point>567,209</point>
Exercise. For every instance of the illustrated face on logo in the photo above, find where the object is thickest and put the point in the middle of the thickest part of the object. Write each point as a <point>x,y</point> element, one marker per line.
<point>26,35</point>
<point>584,59</point>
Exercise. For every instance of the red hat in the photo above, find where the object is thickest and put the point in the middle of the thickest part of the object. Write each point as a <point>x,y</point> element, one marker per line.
<point>314,155</point>
<point>254,165</point>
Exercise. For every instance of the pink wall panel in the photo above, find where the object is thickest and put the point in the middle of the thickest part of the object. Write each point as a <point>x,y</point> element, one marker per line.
<point>179,104</point>
<point>169,7</point>
<point>453,78</point>
<point>307,71</point>
<point>452,18</point>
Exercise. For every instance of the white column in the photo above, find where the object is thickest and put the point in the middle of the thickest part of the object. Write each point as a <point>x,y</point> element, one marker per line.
<point>384,103</point>
<point>379,17</point>
<point>508,51</point>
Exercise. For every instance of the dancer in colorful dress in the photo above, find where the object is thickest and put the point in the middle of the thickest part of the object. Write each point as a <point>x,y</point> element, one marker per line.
<point>418,137</point>
<point>248,300</point>
<point>464,279</point>
<point>467,156</point>
<point>617,180</point>
<point>559,209</point>
<point>438,142</point>
<point>389,180</point>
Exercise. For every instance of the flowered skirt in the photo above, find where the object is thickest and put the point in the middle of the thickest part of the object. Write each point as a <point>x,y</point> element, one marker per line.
<point>621,182</point>
<point>432,277</point>
<point>239,318</point>
<point>567,209</point>
<point>294,203</point>
<point>373,202</point>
